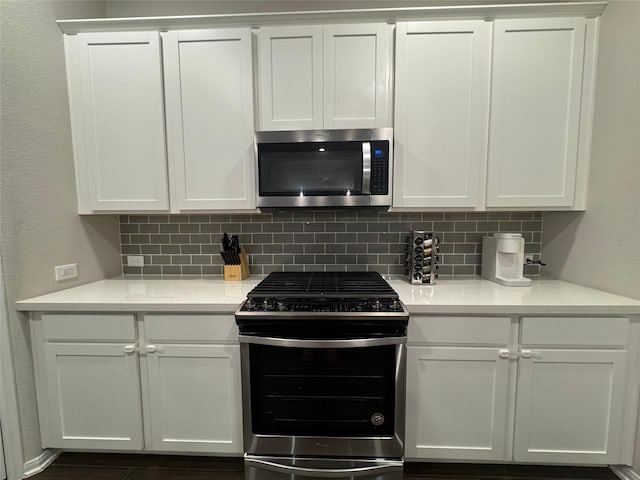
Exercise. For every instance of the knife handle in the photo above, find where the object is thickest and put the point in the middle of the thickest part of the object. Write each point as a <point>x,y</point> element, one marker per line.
<point>235,243</point>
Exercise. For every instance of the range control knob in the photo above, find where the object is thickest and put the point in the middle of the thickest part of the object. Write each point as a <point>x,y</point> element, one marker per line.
<point>281,306</point>
<point>265,304</point>
<point>377,419</point>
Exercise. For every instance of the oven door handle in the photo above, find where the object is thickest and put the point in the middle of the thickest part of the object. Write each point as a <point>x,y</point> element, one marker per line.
<point>387,466</point>
<point>299,343</point>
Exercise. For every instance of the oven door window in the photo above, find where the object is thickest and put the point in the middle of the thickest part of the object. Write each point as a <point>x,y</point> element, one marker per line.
<point>337,392</point>
<point>332,168</point>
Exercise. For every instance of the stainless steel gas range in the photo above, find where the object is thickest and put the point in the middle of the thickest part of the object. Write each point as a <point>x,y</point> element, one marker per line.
<point>323,372</point>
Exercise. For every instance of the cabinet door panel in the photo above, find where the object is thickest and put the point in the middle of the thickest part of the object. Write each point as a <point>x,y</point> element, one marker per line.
<point>442,87</point>
<point>456,403</point>
<point>569,406</point>
<point>209,116</point>
<point>535,112</point>
<point>122,120</point>
<point>356,76</point>
<point>290,78</point>
<point>94,396</point>
<point>195,398</point>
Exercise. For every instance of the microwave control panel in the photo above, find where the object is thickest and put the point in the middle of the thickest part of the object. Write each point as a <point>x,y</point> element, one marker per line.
<point>380,167</point>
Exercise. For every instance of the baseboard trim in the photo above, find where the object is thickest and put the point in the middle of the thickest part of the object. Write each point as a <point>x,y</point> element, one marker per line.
<point>624,472</point>
<point>38,464</point>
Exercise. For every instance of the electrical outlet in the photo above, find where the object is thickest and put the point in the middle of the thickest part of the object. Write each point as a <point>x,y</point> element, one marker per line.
<point>135,261</point>
<point>65,272</point>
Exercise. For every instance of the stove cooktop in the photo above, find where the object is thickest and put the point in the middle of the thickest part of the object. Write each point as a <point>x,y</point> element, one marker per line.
<point>314,285</point>
<point>330,293</point>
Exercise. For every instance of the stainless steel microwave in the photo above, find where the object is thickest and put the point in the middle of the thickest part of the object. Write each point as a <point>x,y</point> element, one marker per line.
<point>324,168</point>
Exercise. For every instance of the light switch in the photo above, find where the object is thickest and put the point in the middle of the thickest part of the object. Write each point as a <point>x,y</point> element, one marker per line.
<point>65,272</point>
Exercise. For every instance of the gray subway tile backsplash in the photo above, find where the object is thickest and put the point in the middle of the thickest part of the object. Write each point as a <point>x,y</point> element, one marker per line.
<point>317,240</point>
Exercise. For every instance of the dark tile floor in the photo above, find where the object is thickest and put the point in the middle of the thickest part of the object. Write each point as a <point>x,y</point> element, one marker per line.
<point>103,466</point>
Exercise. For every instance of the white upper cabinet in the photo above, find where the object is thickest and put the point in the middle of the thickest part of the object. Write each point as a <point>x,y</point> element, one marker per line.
<point>115,90</point>
<point>487,114</point>
<point>290,78</point>
<point>442,96</point>
<point>209,105</point>
<point>536,96</point>
<point>357,76</point>
<point>316,77</point>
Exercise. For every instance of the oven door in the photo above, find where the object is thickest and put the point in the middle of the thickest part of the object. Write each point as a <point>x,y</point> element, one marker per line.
<point>314,174</point>
<point>338,398</point>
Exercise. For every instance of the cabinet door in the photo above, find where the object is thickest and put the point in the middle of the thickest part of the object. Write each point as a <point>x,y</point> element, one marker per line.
<point>457,403</point>
<point>442,96</point>
<point>290,78</point>
<point>115,90</point>
<point>209,98</point>
<point>357,66</point>
<point>94,396</point>
<point>535,112</point>
<point>195,398</point>
<point>569,406</point>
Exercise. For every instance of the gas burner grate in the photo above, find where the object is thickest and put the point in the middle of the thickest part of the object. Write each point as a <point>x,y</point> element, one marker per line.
<point>323,285</point>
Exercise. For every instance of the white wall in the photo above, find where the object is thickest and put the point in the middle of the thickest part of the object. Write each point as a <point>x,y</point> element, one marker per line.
<point>40,227</point>
<point>149,8</point>
<point>601,247</point>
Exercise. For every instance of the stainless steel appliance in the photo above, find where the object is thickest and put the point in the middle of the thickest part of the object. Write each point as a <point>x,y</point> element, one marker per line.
<point>323,372</point>
<point>421,262</point>
<point>324,168</point>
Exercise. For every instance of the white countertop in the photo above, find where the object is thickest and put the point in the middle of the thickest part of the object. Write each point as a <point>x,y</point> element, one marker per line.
<point>479,296</point>
<point>449,296</point>
<point>148,294</point>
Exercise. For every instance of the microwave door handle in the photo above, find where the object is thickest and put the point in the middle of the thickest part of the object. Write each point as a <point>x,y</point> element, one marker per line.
<point>366,168</point>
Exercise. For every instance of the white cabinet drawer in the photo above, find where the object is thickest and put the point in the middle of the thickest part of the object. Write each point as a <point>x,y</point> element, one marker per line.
<point>89,327</point>
<point>459,330</point>
<point>194,328</point>
<point>578,331</point>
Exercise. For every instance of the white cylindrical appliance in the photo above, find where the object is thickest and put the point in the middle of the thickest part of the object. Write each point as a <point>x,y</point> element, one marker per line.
<point>503,259</point>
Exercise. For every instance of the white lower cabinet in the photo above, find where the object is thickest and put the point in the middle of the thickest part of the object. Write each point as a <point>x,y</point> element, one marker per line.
<point>456,403</point>
<point>94,396</point>
<point>569,406</point>
<point>564,402</point>
<point>155,383</point>
<point>194,394</point>
<point>502,388</point>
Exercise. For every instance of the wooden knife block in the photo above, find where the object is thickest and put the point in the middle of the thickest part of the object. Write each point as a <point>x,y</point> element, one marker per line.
<point>237,272</point>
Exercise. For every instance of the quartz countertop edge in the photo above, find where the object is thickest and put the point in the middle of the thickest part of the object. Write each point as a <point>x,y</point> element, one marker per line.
<point>465,296</point>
